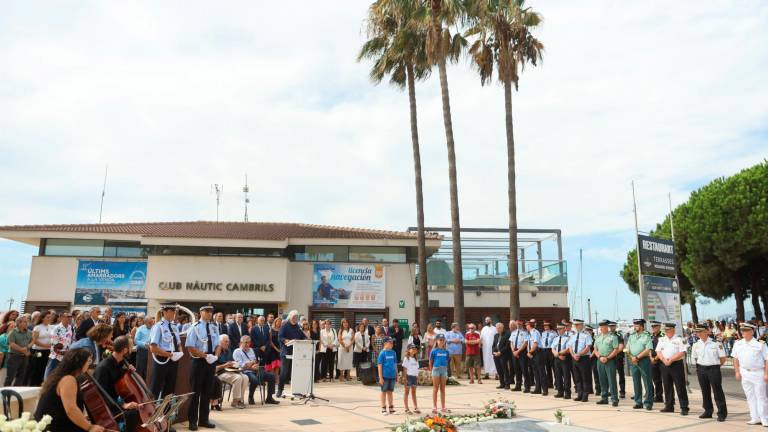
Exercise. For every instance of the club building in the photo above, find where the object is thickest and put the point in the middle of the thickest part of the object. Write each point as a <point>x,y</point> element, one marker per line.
<point>325,272</point>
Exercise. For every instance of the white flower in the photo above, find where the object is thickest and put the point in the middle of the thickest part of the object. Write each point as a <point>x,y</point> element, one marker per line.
<point>25,416</point>
<point>46,419</point>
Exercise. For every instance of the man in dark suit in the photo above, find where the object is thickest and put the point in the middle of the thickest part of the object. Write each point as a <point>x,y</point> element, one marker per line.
<point>501,352</point>
<point>385,328</point>
<point>260,336</point>
<point>86,324</point>
<point>221,324</point>
<point>370,336</point>
<point>397,334</point>
<point>237,330</point>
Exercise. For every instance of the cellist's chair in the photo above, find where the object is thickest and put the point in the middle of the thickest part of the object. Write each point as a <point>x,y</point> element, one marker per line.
<point>7,394</point>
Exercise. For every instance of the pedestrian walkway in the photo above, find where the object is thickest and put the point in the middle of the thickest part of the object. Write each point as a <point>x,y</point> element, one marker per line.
<point>355,408</point>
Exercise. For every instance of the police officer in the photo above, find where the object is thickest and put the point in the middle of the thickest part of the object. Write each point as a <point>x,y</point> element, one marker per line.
<point>639,351</point>
<point>536,358</point>
<point>620,359</point>
<point>562,363</point>
<point>670,352</point>
<point>606,349</point>
<point>203,345</point>
<point>658,387</point>
<point>578,346</point>
<point>518,341</point>
<point>750,362</point>
<point>593,362</point>
<point>709,355</point>
<point>165,346</point>
<point>547,336</point>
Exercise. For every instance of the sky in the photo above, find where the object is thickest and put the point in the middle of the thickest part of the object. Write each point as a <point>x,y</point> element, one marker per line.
<point>179,95</point>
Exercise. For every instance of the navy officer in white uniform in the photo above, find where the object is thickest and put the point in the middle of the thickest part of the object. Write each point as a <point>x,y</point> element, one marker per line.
<point>203,346</point>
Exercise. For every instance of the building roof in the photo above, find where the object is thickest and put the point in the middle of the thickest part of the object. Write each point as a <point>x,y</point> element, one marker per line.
<point>224,230</point>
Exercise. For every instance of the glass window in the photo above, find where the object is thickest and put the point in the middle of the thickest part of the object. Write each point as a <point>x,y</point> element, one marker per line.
<point>74,247</point>
<point>123,249</point>
<point>324,253</point>
<point>377,254</point>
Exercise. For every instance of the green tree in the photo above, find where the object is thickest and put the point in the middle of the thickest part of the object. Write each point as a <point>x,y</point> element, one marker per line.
<point>503,31</point>
<point>397,47</point>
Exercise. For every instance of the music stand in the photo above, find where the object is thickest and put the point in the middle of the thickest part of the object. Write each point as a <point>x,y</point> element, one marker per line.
<point>303,370</point>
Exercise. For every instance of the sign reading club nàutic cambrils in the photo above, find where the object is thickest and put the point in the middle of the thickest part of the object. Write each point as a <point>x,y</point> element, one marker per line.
<point>349,286</point>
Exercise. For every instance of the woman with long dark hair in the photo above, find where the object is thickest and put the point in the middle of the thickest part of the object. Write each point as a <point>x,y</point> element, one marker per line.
<point>8,317</point>
<point>121,326</point>
<point>60,395</point>
<point>41,348</point>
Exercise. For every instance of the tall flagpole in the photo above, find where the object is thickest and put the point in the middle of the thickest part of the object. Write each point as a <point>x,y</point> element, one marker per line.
<point>677,281</point>
<point>643,305</point>
<point>103,192</point>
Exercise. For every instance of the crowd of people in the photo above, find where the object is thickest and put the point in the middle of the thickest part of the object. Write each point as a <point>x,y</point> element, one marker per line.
<point>50,349</point>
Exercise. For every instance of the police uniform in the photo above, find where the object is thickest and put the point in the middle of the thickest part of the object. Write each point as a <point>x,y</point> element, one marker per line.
<point>751,357</point>
<point>537,362</point>
<point>547,337</point>
<point>620,360</point>
<point>607,347</point>
<point>673,376</point>
<point>707,355</point>
<point>593,364</point>
<point>658,387</point>
<point>562,364</point>
<point>580,367</point>
<point>165,337</point>
<point>203,336</point>
<point>517,339</point>
<point>639,347</point>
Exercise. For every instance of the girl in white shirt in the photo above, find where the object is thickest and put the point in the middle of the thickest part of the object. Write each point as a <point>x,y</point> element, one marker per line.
<point>328,346</point>
<point>362,342</point>
<point>41,348</point>
<point>411,375</point>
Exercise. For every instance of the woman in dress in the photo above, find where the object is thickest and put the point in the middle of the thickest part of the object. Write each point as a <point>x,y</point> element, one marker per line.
<point>377,343</point>
<point>346,346</point>
<point>429,339</point>
<point>41,348</point>
<point>362,341</point>
<point>272,362</point>
<point>60,395</point>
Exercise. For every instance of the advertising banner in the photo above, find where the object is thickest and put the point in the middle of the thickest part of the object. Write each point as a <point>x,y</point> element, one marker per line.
<point>662,299</point>
<point>656,255</point>
<point>119,284</point>
<point>360,286</point>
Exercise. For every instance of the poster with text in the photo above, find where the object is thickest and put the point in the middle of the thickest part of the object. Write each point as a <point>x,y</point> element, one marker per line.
<point>349,286</point>
<point>112,283</point>
<point>662,299</point>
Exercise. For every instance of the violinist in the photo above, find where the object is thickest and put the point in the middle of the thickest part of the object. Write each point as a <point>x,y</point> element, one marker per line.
<point>60,395</point>
<point>107,372</point>
<point>97,339</point>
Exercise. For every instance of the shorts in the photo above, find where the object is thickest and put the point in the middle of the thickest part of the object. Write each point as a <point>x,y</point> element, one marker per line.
<point>473,361</point>
<point>440,372</point>
<point>389,385</point>
<point>411,380</point>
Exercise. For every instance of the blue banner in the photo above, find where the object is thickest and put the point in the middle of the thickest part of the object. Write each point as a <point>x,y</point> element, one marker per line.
<point>349,286</point>
<point>101,282</point>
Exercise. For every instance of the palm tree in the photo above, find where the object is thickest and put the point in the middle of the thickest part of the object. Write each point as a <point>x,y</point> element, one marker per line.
<point>441,48</point>
<point>503,29</point>
<point>397,46</point>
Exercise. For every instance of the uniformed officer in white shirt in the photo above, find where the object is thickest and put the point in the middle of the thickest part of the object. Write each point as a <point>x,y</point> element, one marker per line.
<point>750,362</point>
<point>579,345</point>
<point>165,346</point>
<point>709,355</point>
<point>670,352</point>
<point>203,345</point>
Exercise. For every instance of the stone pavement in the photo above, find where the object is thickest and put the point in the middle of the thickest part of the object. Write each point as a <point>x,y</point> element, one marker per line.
<point>354,407</point>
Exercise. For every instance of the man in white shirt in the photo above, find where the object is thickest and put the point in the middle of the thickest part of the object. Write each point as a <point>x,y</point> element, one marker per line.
<point>709,355</point>
<point>750,362</point>
<point>670,351</point>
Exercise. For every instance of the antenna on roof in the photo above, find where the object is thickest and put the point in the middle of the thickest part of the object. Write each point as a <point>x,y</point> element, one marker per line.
<point>247,200</point>
<point>218,190</point>
<point>103,192</point>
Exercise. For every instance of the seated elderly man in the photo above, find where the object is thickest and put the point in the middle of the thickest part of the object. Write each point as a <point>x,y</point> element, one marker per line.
<point>236,379</point>
<point>246,357</point>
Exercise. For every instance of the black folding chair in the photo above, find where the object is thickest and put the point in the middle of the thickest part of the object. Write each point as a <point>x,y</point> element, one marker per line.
<point>7,394</point>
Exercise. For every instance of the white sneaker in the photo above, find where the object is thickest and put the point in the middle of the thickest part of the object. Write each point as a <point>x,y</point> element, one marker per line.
<point>753,422</point>
<point>765,423</point>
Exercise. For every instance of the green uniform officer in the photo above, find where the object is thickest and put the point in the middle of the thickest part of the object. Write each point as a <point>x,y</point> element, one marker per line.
<point>606,350</point>
<point>639,348</point>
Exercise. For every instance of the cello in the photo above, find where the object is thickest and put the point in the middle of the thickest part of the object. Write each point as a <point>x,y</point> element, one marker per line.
<point>97,404</point>
<point>132,388</point>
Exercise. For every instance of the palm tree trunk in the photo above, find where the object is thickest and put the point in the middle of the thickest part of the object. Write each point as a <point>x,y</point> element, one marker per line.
<point>421,242</point>
<point>514,277</point>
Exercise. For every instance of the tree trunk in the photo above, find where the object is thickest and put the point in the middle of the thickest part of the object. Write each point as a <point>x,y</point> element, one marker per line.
<point>422,247</point>
<point>514,277</point>
<point>458,274</point>
<point>694,311</point>
<point>755,297</point>
<point>738,294</point>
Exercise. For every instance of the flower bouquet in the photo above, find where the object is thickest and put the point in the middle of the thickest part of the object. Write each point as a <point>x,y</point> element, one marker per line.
<point>434,423</point>
<point>500,408</point>
<point>24,424</point>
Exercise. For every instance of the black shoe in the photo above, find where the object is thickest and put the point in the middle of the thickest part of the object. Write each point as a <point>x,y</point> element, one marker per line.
<point>516,389</point>
<point>622,395</point>
<point>705,416</point>
<point>578,397</point>
<point>499,386</point>
<point>567,396</point>
<point>545,393</point>
<point>684,412</point>
<point>208,425</point>
<point>558,395</point>
<point>279,393</point>
<point>721,418</point>
<point>271,401</point>
<point>638,406</point>
<point>658,400</point>
<point>536,392</point>
<point>251,401</point>
<point>667,409</point>
<point>615,403</point>
<point>602,402</point>
<point>192,427</point>
<point>527,391</point>
<point>585,399</point>
<point>648,408</point>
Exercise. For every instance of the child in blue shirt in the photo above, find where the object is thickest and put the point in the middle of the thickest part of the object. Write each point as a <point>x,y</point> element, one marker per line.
<point>387,365</point>
<point>438,363</point>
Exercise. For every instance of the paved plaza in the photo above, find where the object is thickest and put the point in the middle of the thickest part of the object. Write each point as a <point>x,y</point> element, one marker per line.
<point>354,407</point>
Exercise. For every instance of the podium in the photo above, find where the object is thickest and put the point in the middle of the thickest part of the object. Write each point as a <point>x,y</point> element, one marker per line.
<point>303,367</point>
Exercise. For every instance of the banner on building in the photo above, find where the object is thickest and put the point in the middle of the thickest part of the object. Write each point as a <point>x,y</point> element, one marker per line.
<point>119,284</point>
<point>360,286</point>
<point>656,255</point>
<point>662,298</point>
